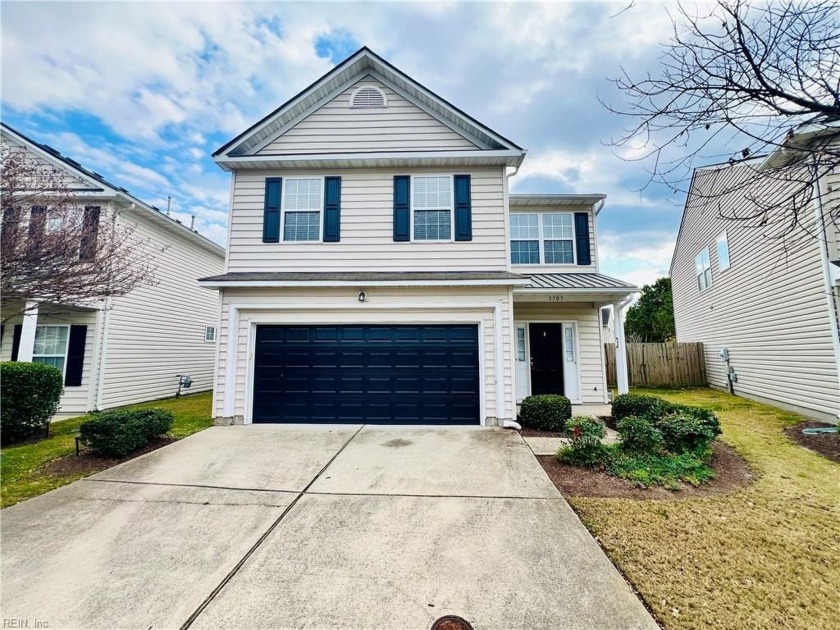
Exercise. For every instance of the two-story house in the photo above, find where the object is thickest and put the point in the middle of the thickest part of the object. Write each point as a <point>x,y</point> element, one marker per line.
<point>129,348</point>
<point>762,295</point>
<point>379,271</point>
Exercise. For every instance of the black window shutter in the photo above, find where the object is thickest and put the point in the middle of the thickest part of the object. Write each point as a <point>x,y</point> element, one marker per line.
<point>332,209</point>
<point>90,231</point>
<point>402,208</point>
<point>37,226</point>
<point>271,214</point>
<point>463,208</point>
<point>16,341</point>
<point>75,355</point>
<point>584,256</point>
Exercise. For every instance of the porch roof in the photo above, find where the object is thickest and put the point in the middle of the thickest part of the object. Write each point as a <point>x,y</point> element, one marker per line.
<point>578,286</point>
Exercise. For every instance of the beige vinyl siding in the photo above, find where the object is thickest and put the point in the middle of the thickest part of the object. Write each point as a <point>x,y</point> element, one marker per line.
<point>367,228</point>
<point>769,309</point>
<point>157,332</point>
<point>553,268</point>
<point>591,351</point>
<point>74,400</point>
<point>439,305</point>
<point>337,128</point>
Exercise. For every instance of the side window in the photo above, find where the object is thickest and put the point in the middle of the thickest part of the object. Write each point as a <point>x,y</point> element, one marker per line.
<point>703,269</point>
<point>723,251</point>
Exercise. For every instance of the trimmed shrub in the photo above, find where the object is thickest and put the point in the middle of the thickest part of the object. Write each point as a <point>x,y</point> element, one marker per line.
<point>627,405</point>
<point>688,429</point>
<point>117,433</point>
<point>639,435</point>
<point>29,397</point>
<point>585,448</point>
<point>547,412</point>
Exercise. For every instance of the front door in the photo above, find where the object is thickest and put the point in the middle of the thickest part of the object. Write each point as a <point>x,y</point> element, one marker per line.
<point>546,341</point>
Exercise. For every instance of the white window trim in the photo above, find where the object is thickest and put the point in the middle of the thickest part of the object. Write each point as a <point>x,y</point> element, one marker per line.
<point>66,347</point>
<point>206,330</point>
<point>723,235</point>
<point>451,238</point>
<point>703,271</point>
<point>368,86</point>
<point>541,239</point>
<point>320,211</point>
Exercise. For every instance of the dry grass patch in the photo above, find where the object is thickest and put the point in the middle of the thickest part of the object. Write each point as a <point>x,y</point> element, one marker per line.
<point>762,557</point>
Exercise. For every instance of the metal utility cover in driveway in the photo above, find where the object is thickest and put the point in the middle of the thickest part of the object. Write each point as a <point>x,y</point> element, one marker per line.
<point>372,374</point>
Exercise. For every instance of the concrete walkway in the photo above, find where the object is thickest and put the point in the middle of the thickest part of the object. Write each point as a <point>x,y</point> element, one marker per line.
<point>317,527</point>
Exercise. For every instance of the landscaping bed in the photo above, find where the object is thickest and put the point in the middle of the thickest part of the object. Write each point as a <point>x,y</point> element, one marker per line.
<point>826,444</point>
<point>87,463</point>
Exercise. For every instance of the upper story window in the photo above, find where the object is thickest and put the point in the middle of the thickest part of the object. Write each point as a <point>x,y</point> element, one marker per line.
<point>51,346</point>
<point>723,251</point>
<point>703,269</point>
<point>432,208</point>
<point>302,205</point>
<point>368,97</point>
<point>542,238</point>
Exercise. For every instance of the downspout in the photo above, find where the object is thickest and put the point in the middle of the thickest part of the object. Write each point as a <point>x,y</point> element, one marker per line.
<point>103,354</point>
<point>509,424</point>
<point>829,283</point>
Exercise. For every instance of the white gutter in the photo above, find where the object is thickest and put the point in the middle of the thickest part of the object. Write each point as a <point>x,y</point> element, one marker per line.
<point>219,284</point>
<point>827,278</point>
<point>609,290</point>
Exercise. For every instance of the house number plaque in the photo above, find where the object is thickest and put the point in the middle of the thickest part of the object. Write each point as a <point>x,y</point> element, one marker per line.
<point>555,298</point>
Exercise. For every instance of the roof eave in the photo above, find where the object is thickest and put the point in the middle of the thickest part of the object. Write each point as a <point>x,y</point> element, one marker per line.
<point>222,284</point>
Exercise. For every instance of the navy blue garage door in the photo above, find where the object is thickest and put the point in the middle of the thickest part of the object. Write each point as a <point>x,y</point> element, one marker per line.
<point>367,374</point>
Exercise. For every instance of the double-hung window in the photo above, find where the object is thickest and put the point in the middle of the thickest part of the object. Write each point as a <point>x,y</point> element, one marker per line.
<point>51,346</point>
<point>432,208</point>
<point>723,251</point>
<point>703,269</point>
<point>546,238</point>
<point>303,201</point>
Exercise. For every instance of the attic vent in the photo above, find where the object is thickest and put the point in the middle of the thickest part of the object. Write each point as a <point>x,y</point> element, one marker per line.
<point>368,97</point>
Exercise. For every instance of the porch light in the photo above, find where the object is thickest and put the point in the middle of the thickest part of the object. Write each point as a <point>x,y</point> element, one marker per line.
<point>362,296</point>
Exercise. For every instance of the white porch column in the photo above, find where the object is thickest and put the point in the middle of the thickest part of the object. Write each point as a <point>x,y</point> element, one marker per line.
<point>27,332</point>
<point>620,351</point>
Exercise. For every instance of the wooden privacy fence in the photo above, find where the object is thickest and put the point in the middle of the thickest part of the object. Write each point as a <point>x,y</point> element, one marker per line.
<point>660,364</point>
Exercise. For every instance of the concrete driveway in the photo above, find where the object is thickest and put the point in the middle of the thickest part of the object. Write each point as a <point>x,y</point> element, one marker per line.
<point>313,527</point>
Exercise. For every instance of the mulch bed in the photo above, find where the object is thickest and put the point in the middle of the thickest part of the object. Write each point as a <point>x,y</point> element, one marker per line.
<point>526,432</point>
<point>731,473</point>
<point>826,444</point>
<point>87,462</point>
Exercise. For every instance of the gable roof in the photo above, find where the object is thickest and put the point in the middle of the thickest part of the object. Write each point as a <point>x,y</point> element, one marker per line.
<point>365,62</point>
<point>101,187</point>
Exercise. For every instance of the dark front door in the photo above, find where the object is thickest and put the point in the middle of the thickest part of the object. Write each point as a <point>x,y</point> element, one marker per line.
<point>376,374</point>
<point>546,341</point>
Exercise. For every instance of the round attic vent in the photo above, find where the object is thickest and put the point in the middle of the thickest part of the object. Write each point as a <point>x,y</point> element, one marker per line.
<point>368,97</point>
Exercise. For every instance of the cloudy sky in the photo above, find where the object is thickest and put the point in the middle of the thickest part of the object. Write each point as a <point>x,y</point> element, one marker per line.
<point>144,92</point>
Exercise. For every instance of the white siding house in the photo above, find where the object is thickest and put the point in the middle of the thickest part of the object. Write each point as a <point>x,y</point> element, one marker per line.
<point>761,298</point>
<point>131,348</point>
<point>379,271</point>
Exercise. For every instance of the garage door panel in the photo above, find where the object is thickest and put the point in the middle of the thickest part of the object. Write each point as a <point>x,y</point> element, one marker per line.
<point>367,374</point>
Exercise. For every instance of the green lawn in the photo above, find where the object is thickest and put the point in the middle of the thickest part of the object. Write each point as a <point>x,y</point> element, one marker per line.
<point>765,556</point>
<point>21,466</point>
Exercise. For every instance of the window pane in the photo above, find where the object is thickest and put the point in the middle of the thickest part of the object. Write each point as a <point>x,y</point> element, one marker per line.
<point>559,252</point>
<point>56,362</point>
<point>520,344</point>
<point>723,252</point>
<point>50,340</point>
<point>431,225</point>
<point>558,225</point>
<point>302,194</point>
<point>432,193</point>
<point>525,252</point>
<point>301,226</point>
<point>524,226</point>
<point>569,343</point>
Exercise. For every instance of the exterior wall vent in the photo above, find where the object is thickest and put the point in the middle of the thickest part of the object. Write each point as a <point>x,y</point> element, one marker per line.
<point>368,97</point>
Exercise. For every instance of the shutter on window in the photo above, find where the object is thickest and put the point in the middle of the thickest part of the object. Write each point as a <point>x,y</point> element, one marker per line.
<point>584,256</point>
<point>402,208</point>
<point>37,226</point>
<point>75,355</point>
<point>271,213</point>
<point>16,341</point>
<point>463,208</point>
<point>332,209</point>
<point>90,231</point>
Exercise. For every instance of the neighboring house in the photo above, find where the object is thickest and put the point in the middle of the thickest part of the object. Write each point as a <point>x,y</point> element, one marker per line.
<point>378,270</point>
<point>764,307</point>
<point>131,348</point>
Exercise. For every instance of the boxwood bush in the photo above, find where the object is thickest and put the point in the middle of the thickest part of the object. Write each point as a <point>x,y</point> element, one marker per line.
<point>626,405</point>
<point>117,433</point>
<point>639,435</point>
<point>29,397</point>
<point>585,448</point>
<point>547,412</point>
